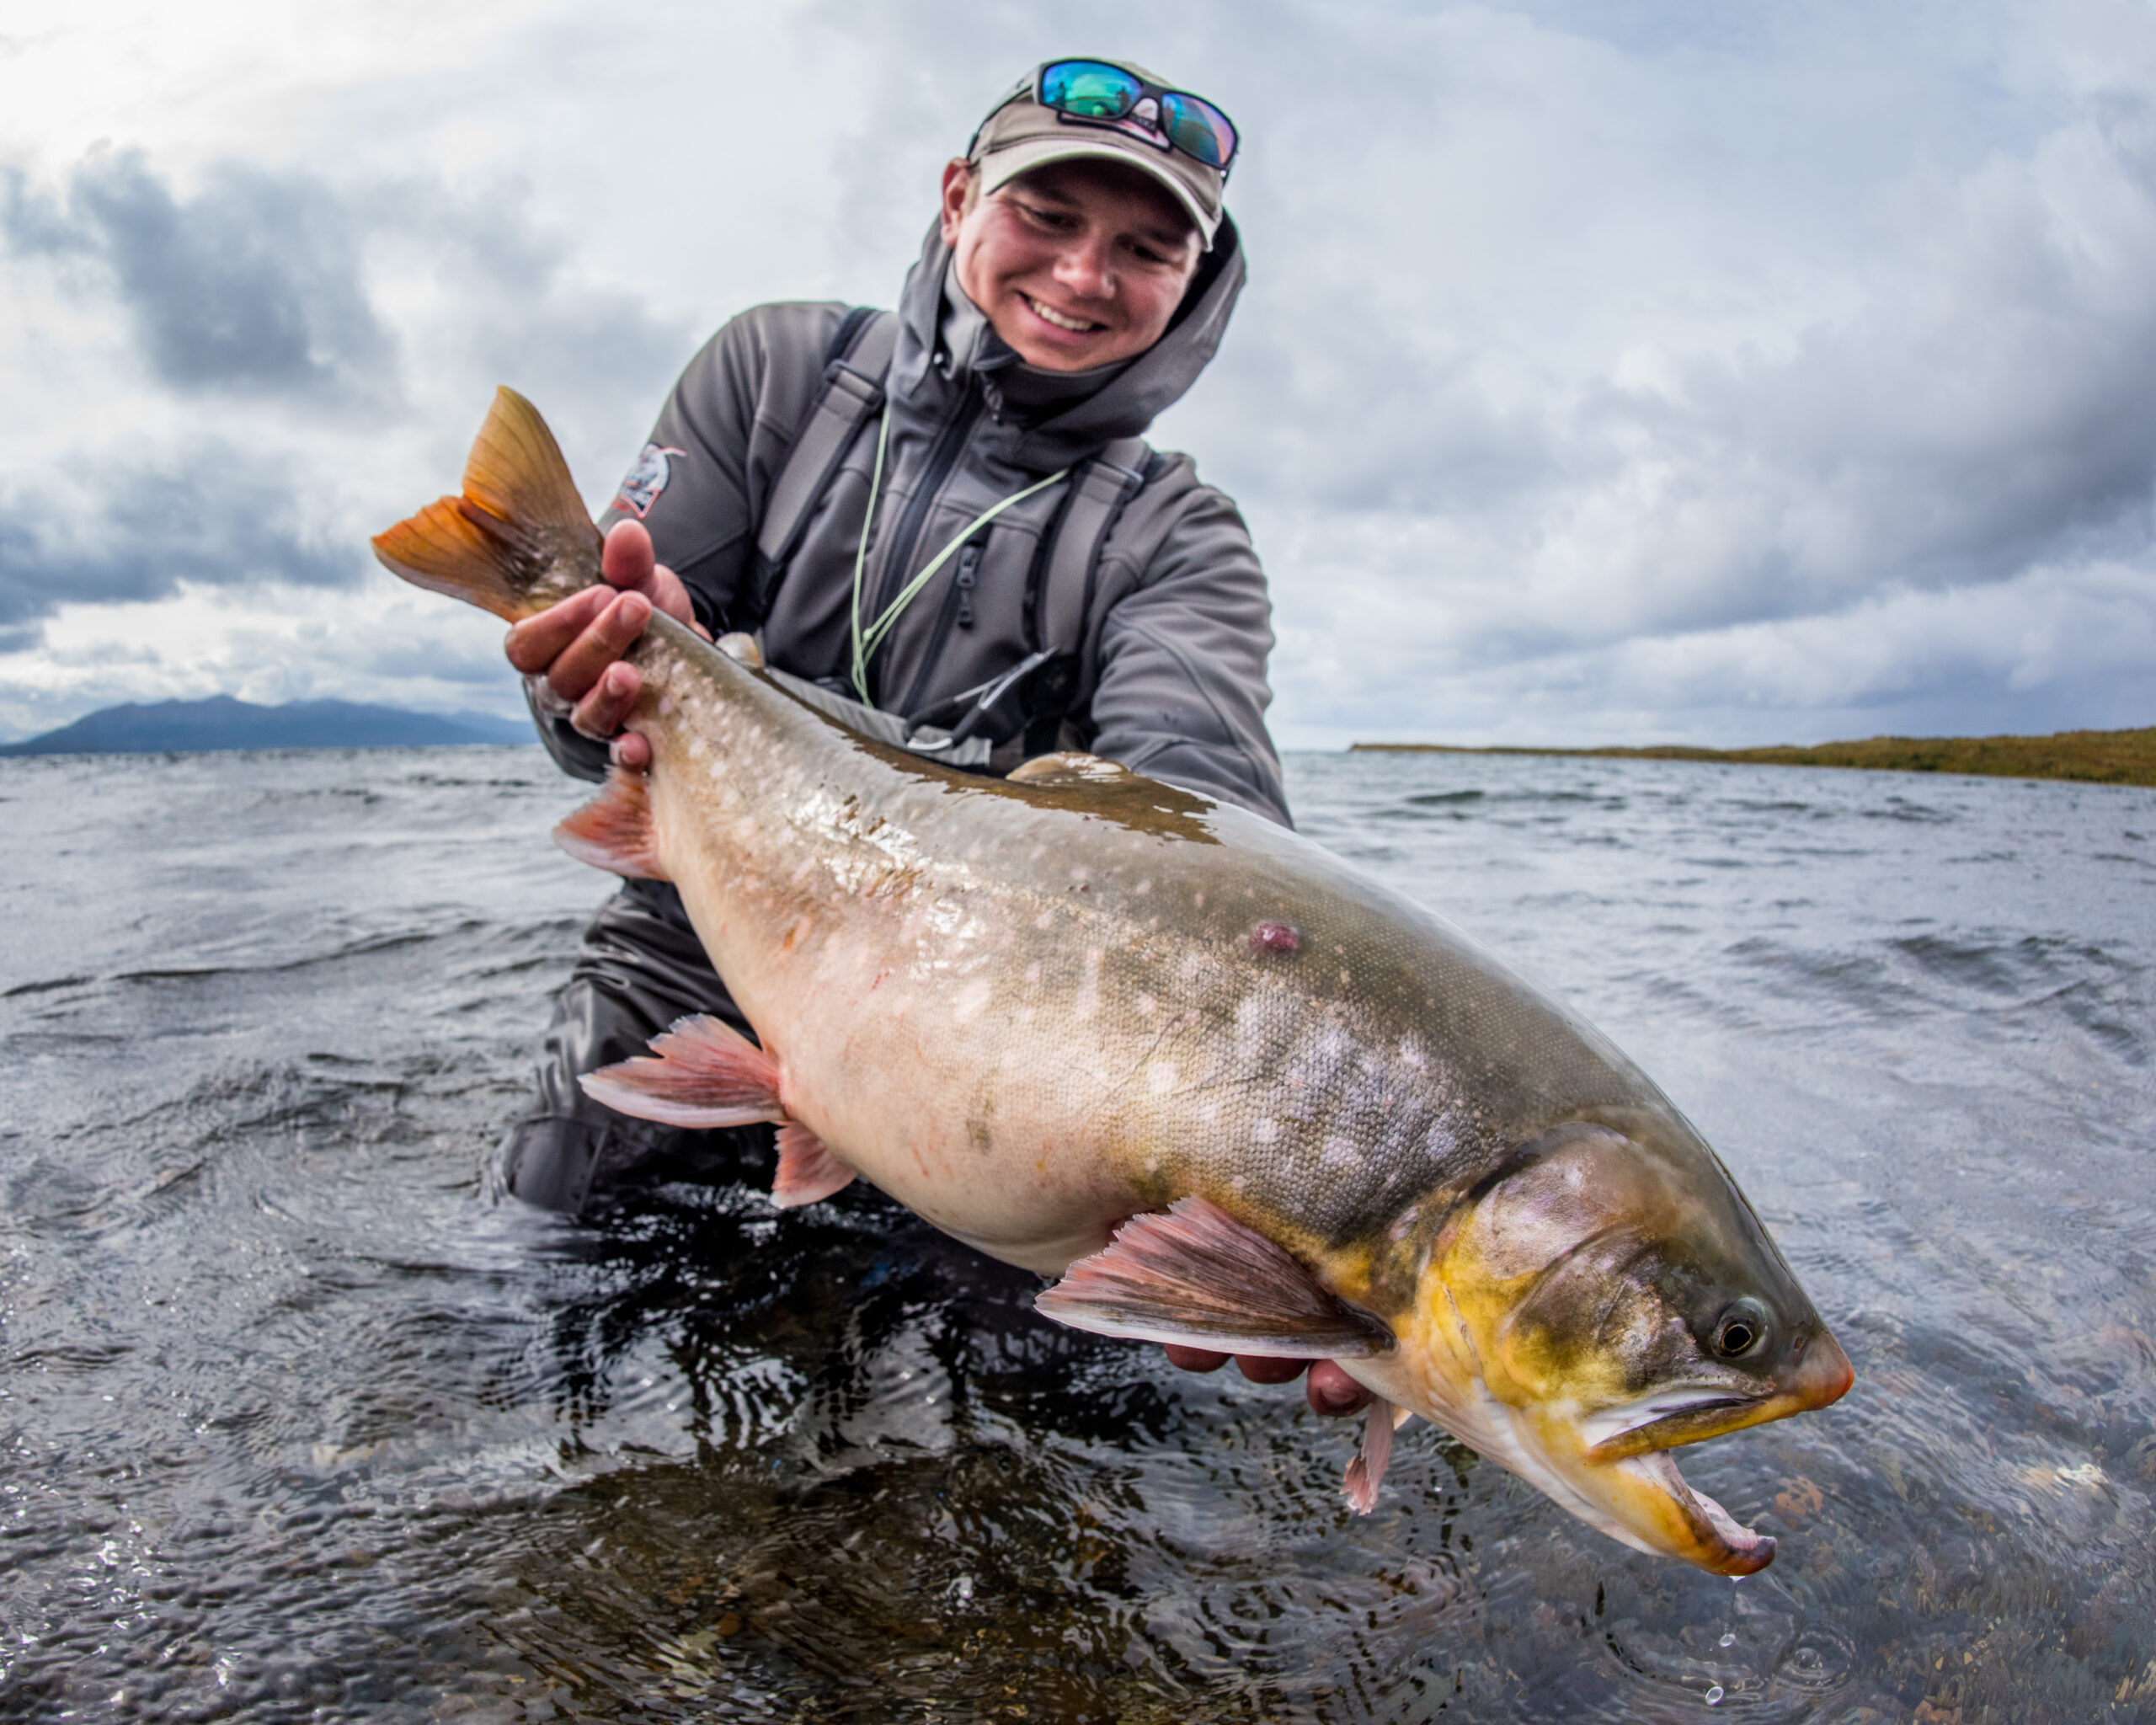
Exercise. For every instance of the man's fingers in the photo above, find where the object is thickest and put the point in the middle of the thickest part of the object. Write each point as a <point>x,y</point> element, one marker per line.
<point>626,559</point>
<point>1264,1369</point>
<point>538,642</point>
<point>576,669</point>
<point>1332,1391</point>
<point>1193,1359</point>
<point>600,714</point>
<point>631,751</point>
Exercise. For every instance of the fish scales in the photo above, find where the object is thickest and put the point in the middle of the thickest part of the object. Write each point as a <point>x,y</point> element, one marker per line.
<point>1236,1092</point>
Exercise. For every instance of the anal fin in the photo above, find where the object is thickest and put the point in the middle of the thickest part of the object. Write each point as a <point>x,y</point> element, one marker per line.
<point>1366,1473</point>
<point>615,830</point>
<point>702,1072</point>
<point>1198,1278</point>
<point>809,1171</point>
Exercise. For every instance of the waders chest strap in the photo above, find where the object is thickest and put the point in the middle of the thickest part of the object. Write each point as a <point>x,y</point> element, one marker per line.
<point>852,392</point>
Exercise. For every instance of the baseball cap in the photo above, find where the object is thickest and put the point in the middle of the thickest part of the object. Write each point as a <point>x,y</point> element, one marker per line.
<point>1021,133</point>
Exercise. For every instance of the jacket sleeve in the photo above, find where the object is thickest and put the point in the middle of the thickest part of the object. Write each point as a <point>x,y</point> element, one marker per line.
<point>699,484</point>
<point>1180,691</point>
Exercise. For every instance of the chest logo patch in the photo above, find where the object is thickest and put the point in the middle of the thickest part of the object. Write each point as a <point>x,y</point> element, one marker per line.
<point>645,480</point>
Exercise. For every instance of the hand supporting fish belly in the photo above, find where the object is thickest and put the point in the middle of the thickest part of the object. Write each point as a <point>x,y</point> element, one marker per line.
<point>1235,1095</point>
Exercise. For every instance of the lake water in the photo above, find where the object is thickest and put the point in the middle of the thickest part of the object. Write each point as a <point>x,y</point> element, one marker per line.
<point>294,1424</point>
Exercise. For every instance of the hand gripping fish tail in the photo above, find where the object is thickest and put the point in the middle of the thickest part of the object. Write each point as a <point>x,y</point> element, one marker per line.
<point>1235,1094</point>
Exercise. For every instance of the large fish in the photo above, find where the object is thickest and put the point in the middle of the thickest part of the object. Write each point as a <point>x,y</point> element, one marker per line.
<point>1236,1094</point>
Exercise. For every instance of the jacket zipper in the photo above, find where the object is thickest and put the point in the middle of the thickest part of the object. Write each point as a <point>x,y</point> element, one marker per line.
<point>958,610</point>
<point>941,458</point>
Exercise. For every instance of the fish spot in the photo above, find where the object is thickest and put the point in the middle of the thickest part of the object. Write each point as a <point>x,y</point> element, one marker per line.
<point>1275,937</point>
<point>1240,1184</point>
<point>1034,974</point>
<point>1147,1006</point>
<point>1339,1153</point>
<point>1142,887</point>
<point>1161,1078</point>
<point>1266,1131</point>
<point>972,1001</point>
<point>1088,999</point>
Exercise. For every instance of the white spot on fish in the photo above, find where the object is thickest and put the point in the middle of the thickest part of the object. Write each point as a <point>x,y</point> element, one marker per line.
<point>1209,1113</point>
<point>1266,1131</point>
<point>1340,1153</point>
<point>1161,1078</point>
<point>972,1001</point>
<point>1142,887</point>
<point>1081,873</point>
<point>1198,899</point>
<point>1034,974</point>
<point>1147,1006</point>
<point>1088,1000</point>
<point>1239,1183</point>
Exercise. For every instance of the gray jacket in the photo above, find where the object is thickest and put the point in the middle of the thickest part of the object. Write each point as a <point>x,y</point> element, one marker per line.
<point>1170,673</point>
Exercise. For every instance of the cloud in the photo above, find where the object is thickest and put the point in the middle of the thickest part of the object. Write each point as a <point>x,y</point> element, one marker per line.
<point>252,285</point>
<point>1608,367</point>
<point>124,531</point>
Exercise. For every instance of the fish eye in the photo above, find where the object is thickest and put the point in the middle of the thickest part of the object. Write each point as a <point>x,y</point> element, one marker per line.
<point>1740,1329</point>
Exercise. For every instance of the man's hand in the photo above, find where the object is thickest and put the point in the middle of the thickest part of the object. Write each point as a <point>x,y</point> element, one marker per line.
<point>1330,1390</point>
<point>578,645</point>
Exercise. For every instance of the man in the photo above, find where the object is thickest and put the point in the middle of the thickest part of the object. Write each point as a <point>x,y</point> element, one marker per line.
<point>942,522</point>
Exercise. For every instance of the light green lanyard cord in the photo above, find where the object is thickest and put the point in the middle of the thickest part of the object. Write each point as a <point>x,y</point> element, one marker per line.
<point>866,641</point>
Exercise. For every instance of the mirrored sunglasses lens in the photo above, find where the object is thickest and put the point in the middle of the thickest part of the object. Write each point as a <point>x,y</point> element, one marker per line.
<point>1089,89</point>
<point>1199,129</point>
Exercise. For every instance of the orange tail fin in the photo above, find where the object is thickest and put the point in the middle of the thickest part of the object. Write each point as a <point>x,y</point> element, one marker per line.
<point>518,540</point>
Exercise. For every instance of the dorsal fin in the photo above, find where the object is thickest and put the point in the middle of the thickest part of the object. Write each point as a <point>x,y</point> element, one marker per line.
<point>1070,768</point>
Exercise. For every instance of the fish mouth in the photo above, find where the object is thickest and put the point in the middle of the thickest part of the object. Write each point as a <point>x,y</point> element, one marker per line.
<point>1644,1469</point>
<point>1718,1542</point>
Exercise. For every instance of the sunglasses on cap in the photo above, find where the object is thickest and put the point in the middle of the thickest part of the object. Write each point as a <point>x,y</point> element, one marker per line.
<point>1105,93</point>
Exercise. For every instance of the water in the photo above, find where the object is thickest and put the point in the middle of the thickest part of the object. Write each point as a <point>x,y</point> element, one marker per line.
<point>294,1425</point>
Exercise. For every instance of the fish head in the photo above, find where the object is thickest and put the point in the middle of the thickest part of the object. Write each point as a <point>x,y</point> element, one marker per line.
<point>1604,1297</point>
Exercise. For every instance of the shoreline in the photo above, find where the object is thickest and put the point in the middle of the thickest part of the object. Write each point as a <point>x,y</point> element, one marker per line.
<point>2127,757</point>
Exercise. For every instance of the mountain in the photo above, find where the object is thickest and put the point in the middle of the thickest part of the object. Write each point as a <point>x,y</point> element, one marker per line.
<point>221,722</point>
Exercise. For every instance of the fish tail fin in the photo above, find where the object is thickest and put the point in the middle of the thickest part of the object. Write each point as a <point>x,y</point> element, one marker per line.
<point>702,1072</point>
<point>615,831</point>
<point>518,540</point>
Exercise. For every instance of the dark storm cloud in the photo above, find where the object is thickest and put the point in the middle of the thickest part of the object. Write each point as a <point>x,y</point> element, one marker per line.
<point>252,285</point>
<point>221,518</point>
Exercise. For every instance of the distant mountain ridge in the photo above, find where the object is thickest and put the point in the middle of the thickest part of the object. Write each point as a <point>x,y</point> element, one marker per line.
<point>223,722</point>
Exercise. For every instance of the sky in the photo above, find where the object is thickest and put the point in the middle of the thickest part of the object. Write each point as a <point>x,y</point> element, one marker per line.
<point>1610,370</point>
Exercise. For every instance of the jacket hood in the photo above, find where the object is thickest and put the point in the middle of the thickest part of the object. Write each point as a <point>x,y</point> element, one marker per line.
<point>1129,398</point>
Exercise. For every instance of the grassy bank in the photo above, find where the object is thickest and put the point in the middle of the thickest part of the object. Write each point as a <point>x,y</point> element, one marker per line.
<point>2096,757</point>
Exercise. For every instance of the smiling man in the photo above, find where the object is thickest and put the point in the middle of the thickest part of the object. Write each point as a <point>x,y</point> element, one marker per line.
<point>944,526</point>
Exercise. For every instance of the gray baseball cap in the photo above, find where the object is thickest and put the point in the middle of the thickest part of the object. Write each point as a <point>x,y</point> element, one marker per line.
<point>1020,134</point>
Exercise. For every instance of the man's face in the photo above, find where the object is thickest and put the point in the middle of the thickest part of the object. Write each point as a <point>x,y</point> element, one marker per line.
<point>1076,264</point>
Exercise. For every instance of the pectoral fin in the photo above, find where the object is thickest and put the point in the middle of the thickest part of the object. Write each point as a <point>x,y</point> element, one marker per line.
<point>702,1072</point>
<point>1366,1473</point>
<point>1198,1278</point>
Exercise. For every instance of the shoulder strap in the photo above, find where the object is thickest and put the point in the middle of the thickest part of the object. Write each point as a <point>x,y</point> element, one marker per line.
<point>852,392</point>
<point>1097,495</point>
